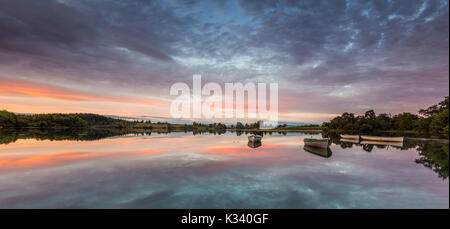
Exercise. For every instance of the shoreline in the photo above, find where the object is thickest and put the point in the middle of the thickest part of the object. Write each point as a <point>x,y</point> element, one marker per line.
<point>204,130</point>
<point>273,130</point>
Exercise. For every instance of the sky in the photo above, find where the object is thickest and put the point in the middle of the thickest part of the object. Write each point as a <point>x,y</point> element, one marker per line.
<point>121,57</point>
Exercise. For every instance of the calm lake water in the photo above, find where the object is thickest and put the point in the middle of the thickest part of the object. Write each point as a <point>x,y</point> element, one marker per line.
<point>180,170</point>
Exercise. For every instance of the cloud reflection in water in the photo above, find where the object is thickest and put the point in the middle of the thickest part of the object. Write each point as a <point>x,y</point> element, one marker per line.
<point>207,171</point>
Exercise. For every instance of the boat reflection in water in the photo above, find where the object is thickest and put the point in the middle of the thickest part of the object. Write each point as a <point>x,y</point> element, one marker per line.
<point>396,144</point>
<point>75,169</point>
<point>253,144</point>
<point>382,139</point>
<point>322,152</point>
<point>368,146</point>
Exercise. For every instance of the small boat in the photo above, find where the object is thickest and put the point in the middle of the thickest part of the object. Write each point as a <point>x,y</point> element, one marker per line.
<point>382,139</point>
<point>322,152</point>
<point>254,138</point>
<point>356,141</point>
<point>346,136</point>
<point>317,142</point>
<point>254,144</point>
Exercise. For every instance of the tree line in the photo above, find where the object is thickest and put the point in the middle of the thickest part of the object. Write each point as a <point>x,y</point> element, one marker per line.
<point>9,120</point>
<point>432,121</point>
<point>14,121</point>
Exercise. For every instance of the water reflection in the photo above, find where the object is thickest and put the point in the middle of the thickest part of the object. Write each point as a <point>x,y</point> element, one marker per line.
<point>383,144</point>
<point>254,144</point>
<point>433,154</point>
<point>322,152</point>
<point>183,170</point>
<point>11,136</point>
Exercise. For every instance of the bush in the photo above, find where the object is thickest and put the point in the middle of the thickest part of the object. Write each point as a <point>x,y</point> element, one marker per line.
<point>439,124</point>
<point>7,119</point>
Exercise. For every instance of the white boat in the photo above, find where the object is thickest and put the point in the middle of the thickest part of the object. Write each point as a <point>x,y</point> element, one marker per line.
<point>349,140</point>
<point>317,142</point>
<point>397,144</point>
<point>382,139</point>
<point>346,136</point>
<point>254,138</point>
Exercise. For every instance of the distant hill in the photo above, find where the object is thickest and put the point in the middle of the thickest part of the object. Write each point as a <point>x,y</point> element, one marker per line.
<point>291,124</point>
<point>181,121</point>
<point>12,120</point>
<point>8,119</point>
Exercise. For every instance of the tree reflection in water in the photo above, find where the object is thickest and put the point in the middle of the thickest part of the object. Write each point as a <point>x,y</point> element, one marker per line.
<point>433,154</point>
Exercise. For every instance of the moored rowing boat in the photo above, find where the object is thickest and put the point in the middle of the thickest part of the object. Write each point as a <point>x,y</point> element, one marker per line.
<point>317,142</point>
<point>349,140</point>
<point>382,139</point>
<point>346,136</point>
<point>254,138</point>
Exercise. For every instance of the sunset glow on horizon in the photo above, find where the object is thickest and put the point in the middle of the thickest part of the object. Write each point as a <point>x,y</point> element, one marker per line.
<point>121,58</point>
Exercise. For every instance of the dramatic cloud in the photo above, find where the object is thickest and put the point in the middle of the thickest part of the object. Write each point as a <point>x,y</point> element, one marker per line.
<point>327,56</point>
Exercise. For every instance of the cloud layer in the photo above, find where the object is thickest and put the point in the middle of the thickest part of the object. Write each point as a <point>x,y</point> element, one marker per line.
<point>327,56</point>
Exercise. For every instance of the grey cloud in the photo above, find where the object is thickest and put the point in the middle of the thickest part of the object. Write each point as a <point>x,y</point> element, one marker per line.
<point>135,43</point>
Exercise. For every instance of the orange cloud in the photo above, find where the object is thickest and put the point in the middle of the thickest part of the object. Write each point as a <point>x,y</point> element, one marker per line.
<point>15,87</point>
